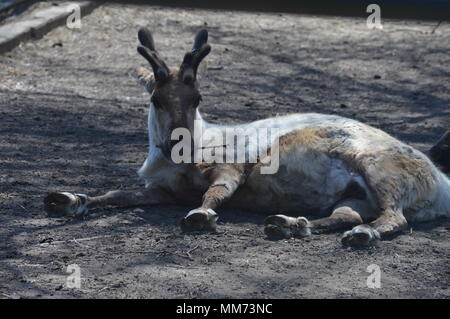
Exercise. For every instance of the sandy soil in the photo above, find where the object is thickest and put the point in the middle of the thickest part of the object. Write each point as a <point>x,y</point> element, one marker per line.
<point>72,118</point>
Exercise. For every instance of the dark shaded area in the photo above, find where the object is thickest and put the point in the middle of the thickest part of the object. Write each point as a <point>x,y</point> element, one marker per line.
<point>440,152</point>
<point>395,9</point>
<point>10,8</point>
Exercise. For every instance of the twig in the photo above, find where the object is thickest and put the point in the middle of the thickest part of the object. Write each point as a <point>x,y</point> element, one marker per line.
<point>188,253</point>
<point>185,256</point>
<point>82,245</point>
<point>407,30</point>
<point>152,251</point>
<point>7,296</point>
<point>214,68</point>
<point>176,266</point>
<point>437,26</point>
<point>104,288</point>
<point>77,241</point>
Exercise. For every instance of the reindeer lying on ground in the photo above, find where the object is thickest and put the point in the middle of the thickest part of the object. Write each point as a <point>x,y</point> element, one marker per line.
<point>344,172</point>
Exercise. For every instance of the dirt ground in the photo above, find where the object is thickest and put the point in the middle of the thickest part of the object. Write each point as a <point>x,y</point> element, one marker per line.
<point>72,118</point>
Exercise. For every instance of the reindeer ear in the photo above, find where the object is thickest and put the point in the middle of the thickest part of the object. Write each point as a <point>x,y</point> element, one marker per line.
<point>148,51</point>
<point>191,60</point>
<point>145,78</point>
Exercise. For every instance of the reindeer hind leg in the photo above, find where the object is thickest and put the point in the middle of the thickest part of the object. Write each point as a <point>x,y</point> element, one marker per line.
<point>390,222</point>
<point>347,213</point>
<point>281,227</point>
<point>397,180</point>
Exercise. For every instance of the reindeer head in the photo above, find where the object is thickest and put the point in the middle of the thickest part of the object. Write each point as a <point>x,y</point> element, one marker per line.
<point>174,92</point>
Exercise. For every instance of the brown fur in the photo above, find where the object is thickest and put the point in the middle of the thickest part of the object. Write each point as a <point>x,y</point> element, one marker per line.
<point>176,97</point>
<point>224,179</point>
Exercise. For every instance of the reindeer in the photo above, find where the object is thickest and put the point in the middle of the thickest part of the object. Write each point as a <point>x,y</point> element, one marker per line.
<point>347,174</point>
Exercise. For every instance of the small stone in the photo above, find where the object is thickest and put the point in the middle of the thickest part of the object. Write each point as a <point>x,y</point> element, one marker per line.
<point>46,240</point>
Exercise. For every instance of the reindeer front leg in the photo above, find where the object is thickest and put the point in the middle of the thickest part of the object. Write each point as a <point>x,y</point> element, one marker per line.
<point>225,179</point>
<point>65,203</point>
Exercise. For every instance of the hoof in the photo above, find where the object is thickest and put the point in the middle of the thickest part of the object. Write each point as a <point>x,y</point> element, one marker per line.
<point>362,235</point>
<point>284,227</point>
<point>65,204</point>
<point>199,219</point>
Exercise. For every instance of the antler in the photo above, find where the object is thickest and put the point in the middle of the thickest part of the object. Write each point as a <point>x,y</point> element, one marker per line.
<point>148,51</point>
<point>191,60</point>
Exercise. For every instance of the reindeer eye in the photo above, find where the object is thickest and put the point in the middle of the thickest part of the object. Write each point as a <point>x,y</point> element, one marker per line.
<point>197,101</point>
<point>155,102</point>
